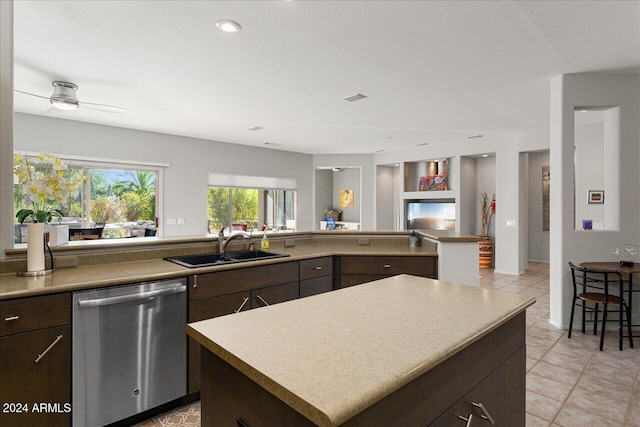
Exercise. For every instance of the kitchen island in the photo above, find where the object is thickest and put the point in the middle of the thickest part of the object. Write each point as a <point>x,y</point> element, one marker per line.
<point>398,351</point>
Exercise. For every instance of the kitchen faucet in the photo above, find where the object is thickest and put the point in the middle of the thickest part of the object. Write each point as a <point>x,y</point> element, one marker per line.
<point>222,242</point>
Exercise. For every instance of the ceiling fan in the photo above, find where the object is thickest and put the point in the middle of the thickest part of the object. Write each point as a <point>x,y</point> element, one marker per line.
<point>64,98</point>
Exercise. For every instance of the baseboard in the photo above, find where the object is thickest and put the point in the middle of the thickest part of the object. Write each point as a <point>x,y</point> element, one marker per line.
<point>540,261</point>
<point>557,325</point>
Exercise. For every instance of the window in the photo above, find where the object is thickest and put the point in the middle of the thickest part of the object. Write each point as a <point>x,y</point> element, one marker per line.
<point>123,197</point>
<point>249,208</point>
<point>249,202</point>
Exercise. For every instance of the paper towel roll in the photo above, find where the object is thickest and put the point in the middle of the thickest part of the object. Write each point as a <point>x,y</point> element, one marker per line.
<point>35,246</point>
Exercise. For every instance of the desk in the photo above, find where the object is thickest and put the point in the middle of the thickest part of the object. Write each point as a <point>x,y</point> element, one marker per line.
<point>628,271</point>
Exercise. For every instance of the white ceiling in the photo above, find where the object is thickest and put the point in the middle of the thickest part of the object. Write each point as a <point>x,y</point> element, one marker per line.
<point>433,72</point>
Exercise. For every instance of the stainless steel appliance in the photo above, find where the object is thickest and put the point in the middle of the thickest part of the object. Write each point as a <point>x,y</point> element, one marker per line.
<point>129,350</point>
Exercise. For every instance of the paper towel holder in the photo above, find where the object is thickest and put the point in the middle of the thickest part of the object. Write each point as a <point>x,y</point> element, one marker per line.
<point>39,273</point>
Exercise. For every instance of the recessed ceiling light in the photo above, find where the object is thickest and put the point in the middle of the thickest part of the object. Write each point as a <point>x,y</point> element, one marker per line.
<point>272,144</point>
<point>485,155</point>
<point>228,26</point>
<point>381,151</point>
<point>354,97</point>
<point>422,144</point>
<point>256,128</point>
<point>474,136</point>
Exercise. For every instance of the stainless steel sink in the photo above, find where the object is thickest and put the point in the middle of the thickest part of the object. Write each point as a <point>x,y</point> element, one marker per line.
<point>207,260</point>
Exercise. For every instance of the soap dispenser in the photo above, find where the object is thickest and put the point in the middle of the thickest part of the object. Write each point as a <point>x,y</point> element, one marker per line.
<point>264,243</point>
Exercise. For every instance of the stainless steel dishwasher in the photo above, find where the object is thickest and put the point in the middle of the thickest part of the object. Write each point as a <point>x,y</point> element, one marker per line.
<point>129,350</point>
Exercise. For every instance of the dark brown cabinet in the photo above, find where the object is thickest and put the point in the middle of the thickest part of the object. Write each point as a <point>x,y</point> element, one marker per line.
<point>226,292</point>
<point>355,270</point>
<point>494,401</point>
<point>35,361</point>
<point>316,276</point>
<point>274,294</point>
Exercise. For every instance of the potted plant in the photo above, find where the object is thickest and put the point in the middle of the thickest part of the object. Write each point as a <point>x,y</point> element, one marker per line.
<point>332,213</point>
<point>486,245</point>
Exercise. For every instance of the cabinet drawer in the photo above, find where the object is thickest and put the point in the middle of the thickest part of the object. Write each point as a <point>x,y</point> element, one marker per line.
<point>274,294</point>
<point>316,286</point>
<point>390,265</point>
<point>29,314</point>
<point>317,267</point>
<point>218,306</point>
<point>243,279</point>
<point>502,394</point>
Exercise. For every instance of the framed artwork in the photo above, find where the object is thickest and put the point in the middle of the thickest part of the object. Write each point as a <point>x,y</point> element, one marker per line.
<point>546,181</point>
<point>346,198</point>
<point>596,196</point>
<point>433,183</point>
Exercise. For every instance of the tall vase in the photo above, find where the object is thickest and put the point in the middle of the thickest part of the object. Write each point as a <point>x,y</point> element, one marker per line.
<point>486,252</point>
<point>35,246</point>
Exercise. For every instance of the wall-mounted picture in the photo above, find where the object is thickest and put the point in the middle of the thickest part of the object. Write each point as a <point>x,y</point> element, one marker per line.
<point>546,181</point>
<point>346,198</point>
<point>433,183</point>
<point>596,196</point>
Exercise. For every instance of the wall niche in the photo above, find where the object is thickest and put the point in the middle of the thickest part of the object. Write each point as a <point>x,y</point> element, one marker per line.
<point>429,175</point>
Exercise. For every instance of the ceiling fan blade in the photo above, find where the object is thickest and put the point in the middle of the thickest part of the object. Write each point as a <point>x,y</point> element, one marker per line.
<point>102,107</point>
<point>31,94</point>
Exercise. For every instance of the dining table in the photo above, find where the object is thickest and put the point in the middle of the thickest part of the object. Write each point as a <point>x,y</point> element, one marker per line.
<point>627,271</point>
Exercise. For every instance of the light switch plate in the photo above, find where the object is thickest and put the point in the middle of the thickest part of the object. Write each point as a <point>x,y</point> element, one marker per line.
<point>171,221</point>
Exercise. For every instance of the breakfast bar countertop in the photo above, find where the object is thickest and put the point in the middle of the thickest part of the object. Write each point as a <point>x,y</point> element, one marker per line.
<point>120,273</point>
<point>333,355</point>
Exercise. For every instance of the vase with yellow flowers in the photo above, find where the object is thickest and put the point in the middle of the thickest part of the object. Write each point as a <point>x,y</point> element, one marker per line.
<point>46,184</point>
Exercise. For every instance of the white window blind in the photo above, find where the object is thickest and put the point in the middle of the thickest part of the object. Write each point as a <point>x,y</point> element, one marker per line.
<point>228,180</point>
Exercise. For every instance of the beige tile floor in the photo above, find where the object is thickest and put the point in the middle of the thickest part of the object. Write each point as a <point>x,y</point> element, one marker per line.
<point>569,382</point>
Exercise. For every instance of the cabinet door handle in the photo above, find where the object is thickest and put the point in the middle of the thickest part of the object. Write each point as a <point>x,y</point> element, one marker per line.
<point>387,266</point>
<point>262,299</point>
<point>244,301</point>
<point>485,413</point>
<point>40,356</point>
<point>318,268</point>
<point>11,318</point>
<point>467,420</point>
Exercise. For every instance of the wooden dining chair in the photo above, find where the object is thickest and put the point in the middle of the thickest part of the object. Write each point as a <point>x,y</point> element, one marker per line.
<point>593,286</point>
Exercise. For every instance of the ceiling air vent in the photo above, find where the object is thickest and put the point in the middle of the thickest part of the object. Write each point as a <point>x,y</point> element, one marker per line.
<point>256,128</point>
<point>354,97</point>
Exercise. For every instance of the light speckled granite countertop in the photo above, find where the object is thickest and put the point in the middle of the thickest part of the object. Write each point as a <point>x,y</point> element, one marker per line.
<point>332,355</point>
<point>110,273</point>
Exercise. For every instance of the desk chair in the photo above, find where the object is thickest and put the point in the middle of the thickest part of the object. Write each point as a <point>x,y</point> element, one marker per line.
<point>592,286</point>
<point>331,223</point>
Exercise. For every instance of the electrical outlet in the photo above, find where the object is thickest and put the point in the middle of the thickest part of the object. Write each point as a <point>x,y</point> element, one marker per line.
<point>181,221</point>
<point>363,242</point>
<point>289,243</point>
<point>171,221</point>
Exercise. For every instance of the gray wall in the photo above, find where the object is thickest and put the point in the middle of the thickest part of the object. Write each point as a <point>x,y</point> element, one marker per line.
<point>190,159</point>
<point>324,193</point>
<point>348,179</point>
<point>385,200</point>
